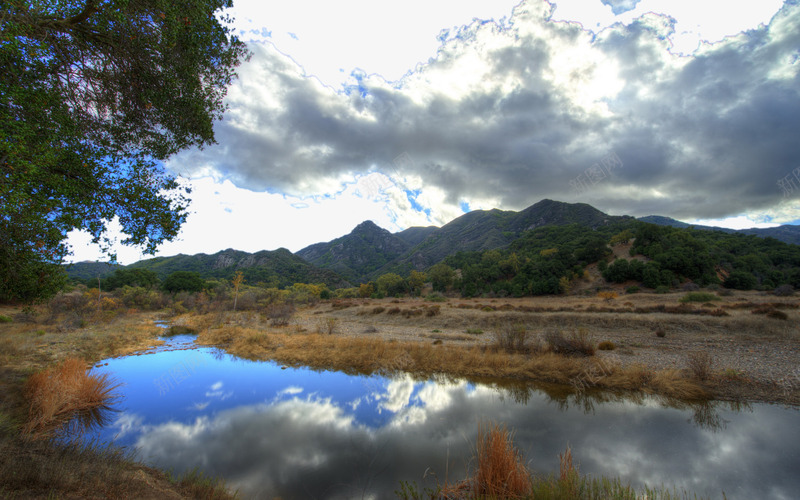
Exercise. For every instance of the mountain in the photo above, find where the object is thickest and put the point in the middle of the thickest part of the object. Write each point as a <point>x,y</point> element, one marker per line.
<point>277,268</point>
<point>366,249</point>
<point>786,233</point>
<point>370,251</point>
<point>90,270</point>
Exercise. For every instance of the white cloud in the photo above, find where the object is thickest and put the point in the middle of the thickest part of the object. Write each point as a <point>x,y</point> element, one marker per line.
<point>505,114</point>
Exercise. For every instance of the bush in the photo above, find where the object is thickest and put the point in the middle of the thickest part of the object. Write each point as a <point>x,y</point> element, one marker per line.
<point>436,297</point>
<point>690,287</point>
<point>432,311</point>
<point>660,333</point>
<point>280,314</point>
<point>327,325</point>
<point>784,291</point>
<point>700,364</point>
<point>5,319</point>
<point>579,343</point>
<point>632,289</point>
<point>662,289</point>
<point>609,296</point>
<point>511,337</point>
<point>606,345</point>
<point>775,314</point>
<point>698,297</point>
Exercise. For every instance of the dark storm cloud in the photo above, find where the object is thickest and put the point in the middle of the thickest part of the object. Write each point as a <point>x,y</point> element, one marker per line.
<point>516,113</point>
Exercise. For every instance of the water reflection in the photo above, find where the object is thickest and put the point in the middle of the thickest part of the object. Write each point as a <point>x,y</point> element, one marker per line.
<point>299,433</point>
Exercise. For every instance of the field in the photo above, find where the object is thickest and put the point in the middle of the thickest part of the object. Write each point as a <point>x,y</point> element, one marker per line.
<point>740,347</point>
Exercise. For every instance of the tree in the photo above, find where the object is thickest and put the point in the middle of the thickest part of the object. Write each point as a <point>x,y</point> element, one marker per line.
<point>441,276</point>
<point>740,280</point>
<point>391,284</point>
<point>184,281</point>
<point>416,280</point>
<point>130,277</point>
<point>238,279</point>
<point>94,96</point>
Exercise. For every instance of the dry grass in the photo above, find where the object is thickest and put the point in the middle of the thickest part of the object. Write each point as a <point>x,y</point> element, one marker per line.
<point>501,471</point>
<point>700,364</point>
<point>577,343</point>
<point>59,393</point>
<point>368,355</point>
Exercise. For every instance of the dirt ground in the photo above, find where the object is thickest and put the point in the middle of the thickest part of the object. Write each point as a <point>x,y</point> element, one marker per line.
<point>754,356</point>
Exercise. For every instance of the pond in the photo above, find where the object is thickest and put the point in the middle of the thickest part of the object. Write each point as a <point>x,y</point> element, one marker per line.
<point>272,431</point>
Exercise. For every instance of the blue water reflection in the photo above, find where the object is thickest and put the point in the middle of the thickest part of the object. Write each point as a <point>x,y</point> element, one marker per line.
<point>292,433</point>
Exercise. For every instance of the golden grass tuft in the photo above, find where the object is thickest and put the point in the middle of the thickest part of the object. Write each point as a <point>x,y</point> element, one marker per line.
<point>57,394</point>
<point>501,471</point>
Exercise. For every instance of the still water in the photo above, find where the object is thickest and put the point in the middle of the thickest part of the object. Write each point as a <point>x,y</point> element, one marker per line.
<point>272,431</point>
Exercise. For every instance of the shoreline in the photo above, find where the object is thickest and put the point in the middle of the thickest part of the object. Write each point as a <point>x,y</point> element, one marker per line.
<point>753,358</point>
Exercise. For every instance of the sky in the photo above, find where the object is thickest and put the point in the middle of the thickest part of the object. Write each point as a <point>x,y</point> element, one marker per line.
<point>413,113</point>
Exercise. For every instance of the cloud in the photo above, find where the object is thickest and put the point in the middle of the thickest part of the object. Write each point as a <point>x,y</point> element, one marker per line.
<point>315,447</point>
<point>509,113</point>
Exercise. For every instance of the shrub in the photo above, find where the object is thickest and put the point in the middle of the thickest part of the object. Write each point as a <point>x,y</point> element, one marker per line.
<point>698,297</point>
<point>700,364</point>
<point>784,291</point>
<point>775,314</point>
<point>606,345</point>
<point>579,343</point>
<point>608,296</point>
<point>474,331</point>
<point>436,297</point>
<point>327,325</point>
<point>690,287</point>
<point>660,333</point>
<point>280,314</point>
<point>724,292</point>
<point>662,289</point>
<point>394,310</point>
<point>378,310</point>
<point>632,289</point>
<point>5,319</point>
<point>432,311</point>
<point>511,337</point>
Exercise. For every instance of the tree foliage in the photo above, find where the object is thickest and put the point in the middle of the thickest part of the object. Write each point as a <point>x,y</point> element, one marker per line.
<point>184,281</point>
<point>130,277</point>
<point>94,95</point>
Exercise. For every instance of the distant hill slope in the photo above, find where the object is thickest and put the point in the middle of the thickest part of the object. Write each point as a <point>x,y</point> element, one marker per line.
<point>277,268</point>
<point>786,233</point>
<point>90,270</point>
<point>355,257</point>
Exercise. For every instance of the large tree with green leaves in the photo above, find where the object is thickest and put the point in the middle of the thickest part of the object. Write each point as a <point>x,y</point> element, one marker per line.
<point>94,96</point>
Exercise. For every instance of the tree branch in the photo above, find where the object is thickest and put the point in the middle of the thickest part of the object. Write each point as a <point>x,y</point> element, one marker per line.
<point>88,10</point>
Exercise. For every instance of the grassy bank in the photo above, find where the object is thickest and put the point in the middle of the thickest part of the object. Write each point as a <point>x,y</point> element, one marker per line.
<point>367,355</point>
<point>45,384</point>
